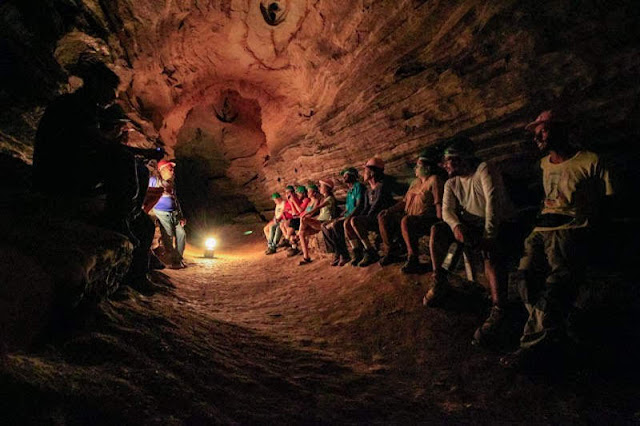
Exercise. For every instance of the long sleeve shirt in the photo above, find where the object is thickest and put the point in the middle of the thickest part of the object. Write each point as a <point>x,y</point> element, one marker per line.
<point>479,199</point>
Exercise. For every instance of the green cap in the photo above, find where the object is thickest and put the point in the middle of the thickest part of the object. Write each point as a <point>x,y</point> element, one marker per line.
<point>301,189</point>
<point>289,188</point>
<point>313,187</point>
<point>275,195</point>
<point>349,171</point>
<point>460,147</point>
<point>429,155</point>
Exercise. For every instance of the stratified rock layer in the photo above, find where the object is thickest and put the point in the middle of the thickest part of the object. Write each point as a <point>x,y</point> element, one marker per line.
<point>263,93</point>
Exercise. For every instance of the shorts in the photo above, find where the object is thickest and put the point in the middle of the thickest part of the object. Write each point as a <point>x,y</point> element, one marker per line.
<point>295,223</point>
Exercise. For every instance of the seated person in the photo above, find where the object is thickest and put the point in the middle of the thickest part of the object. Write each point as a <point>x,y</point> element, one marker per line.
<point>576,185</point>
<point>333,230</point>
<point>379,197</point>
<point>272,229</point>
<point>310,225</point>
<point>298,202</point>
<point>287,215</point>
<point>420,208</point>
<point>475,206</point>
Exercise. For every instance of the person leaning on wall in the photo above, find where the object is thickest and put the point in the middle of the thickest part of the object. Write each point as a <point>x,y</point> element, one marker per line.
<point>576,188</point>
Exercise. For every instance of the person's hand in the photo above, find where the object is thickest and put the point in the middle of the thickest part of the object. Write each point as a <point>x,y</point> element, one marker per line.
<point>183,222</point>
<point>458,233</point>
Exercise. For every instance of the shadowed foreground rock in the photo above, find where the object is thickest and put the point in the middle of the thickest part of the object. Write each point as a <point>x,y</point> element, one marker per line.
<point>50,263</point>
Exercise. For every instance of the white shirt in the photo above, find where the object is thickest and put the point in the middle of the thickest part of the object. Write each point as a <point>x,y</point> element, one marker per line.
<point>481,194</point>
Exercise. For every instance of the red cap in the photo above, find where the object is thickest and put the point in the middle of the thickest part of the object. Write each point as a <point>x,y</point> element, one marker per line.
<point>164,163</point>
<point>327,182</point>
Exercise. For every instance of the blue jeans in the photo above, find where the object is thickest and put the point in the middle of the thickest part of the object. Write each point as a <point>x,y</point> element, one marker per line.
<point>169,228</point>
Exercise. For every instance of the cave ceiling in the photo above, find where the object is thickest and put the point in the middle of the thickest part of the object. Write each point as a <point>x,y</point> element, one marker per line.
<point>273,92</point>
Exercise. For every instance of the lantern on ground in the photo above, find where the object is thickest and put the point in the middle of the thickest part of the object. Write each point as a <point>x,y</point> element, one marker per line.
<point>210,245</point>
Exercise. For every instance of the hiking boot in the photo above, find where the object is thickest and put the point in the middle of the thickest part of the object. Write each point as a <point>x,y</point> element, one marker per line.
<point>344,259</point>
<point>283,243</point>
<point>336,260</point>
<point>437,293</point>
<point>411,266</point>
<point>522,358</point>
<point>388,259</point>
<point>488,331</point>
<point>155,263</point>
<point>293,251</point>
<point>357,256</point>
<point>370,257</point>
<point>176,265</point>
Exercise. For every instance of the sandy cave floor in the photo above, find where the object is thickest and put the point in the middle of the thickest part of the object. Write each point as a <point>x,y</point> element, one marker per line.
<point>248,338</point>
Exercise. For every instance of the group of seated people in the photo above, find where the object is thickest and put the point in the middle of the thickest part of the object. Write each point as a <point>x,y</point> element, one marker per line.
<point>472,209</point>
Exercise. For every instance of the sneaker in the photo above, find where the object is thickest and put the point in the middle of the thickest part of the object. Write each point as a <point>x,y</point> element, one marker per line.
<point>489,330</point>
<point>357,256</point>
<point>437,293</point>
<point>176,265</point>
<point>270,250</point>
<point>336,260</point>
<point>344,259</point>
<point>305,261</point>
<point>370,257</point>
<point>411,266</point>
<point>293,251</point>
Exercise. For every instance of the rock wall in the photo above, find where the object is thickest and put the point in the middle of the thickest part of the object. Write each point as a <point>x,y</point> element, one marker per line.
<point>254,94</point>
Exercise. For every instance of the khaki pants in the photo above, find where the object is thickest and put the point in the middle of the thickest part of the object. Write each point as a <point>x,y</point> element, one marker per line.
<point>547,279</point>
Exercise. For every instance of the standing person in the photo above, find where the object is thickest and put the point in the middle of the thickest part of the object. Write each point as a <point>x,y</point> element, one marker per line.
<point>298,202</point>
<point>272,230</point>
<point>76,161</point>
<point>113,123</point>
<point>475,207</point>
<point>379,197</point>
<point>576,183</point>
<point>415,214</point>
<point>334,231</point>
<point>310,225</point>
<point>169,214</point>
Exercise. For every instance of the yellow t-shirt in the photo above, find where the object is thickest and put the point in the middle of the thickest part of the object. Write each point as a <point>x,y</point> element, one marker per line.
<point>574,188</point>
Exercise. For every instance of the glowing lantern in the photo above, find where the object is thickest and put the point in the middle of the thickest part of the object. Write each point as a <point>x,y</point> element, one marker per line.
<point>210,245</point>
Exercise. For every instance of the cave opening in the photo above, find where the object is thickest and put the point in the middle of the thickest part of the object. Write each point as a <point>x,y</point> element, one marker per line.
<point>449,157</point>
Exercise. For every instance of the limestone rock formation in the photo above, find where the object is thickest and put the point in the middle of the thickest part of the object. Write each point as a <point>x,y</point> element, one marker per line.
<point>50,263</point>
<point>253,94</point>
